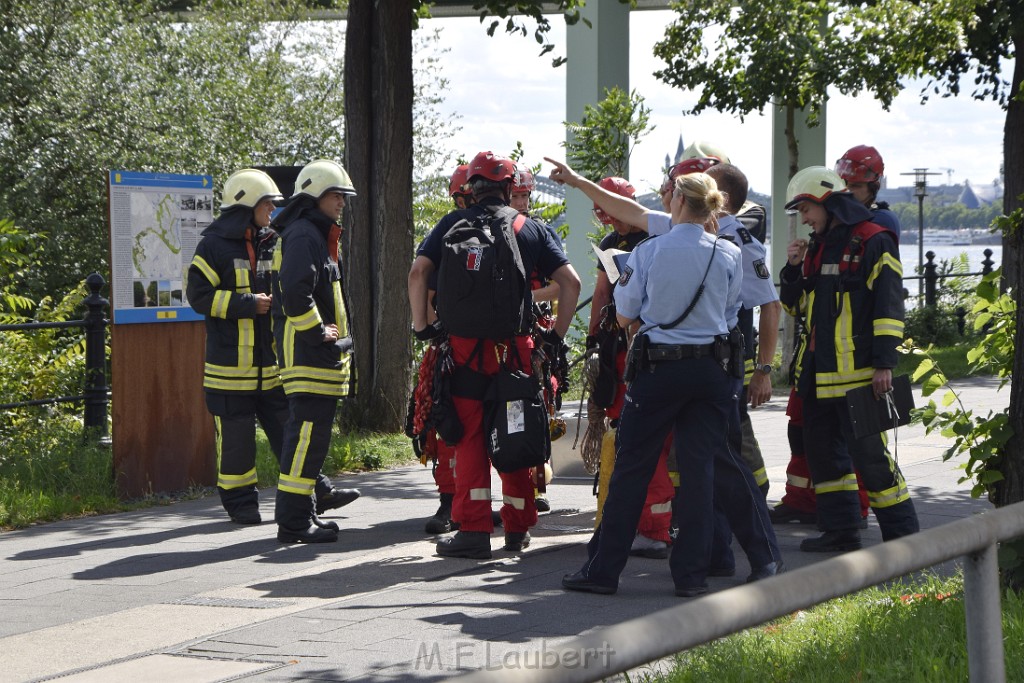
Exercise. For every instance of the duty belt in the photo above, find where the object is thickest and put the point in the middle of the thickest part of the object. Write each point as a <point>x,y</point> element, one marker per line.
<point>662,352</point>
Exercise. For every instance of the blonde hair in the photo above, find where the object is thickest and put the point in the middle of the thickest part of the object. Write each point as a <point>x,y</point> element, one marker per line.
<point>701,194</point>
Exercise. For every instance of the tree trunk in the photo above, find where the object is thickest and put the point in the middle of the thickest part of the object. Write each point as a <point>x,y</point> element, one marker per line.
<point>1011,465</point>
<point>378,235</point>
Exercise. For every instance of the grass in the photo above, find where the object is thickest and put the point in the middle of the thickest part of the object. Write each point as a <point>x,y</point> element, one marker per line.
<point>906,631</point>
<point>49,470</point>
<point>952,360</point>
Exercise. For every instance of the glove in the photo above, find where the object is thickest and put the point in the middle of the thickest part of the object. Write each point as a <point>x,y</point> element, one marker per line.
<point>551,338</point>
<point>430,332</point>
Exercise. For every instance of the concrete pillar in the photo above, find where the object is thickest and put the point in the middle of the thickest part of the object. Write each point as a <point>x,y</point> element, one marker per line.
<point>598,59</point>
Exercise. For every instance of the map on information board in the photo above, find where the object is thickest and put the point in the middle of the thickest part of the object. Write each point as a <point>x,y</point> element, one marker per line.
<point>155,223</point>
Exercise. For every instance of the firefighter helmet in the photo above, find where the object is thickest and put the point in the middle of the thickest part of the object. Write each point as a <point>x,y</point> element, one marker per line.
<point>813,184</point>
<point>322,176</point>
<point>248,187</point>
<point>523,180</point>
<point>703,149</point>
<point>615,185</point>
<point>861,164</point>
<point>459,183</point>
<point>695,165</point>
<point>490,166</point>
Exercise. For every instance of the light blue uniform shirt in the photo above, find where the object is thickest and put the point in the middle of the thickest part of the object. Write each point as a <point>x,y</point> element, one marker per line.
<point>757,280</point>
<point>662,277</point>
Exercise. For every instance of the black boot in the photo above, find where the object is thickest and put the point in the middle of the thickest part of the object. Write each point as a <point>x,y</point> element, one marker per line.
<point>832,542</point>
<point>336,498</point>
<point>312,534</point>
<point>331,526</point>
<point>441,522</point>
<point>516,541</point>
<point>474,545</point>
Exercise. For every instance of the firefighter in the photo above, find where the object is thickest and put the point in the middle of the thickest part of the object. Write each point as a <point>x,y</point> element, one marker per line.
<point>315,346</point>
<point>846,281</point>
<point>228,283</point>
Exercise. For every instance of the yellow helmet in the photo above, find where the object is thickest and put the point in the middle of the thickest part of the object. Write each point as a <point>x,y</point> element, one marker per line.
<point>321,176</point>
<point>248,187</point>
<point>702,149</point>
<point>813,184</point>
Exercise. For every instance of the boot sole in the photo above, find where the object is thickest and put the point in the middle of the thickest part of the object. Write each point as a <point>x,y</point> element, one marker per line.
<point>838,548</point>
<point>467,555</point>
<point>289,537</point>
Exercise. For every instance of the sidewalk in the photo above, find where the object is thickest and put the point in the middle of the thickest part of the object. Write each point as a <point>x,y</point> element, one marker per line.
<point>178,593</point>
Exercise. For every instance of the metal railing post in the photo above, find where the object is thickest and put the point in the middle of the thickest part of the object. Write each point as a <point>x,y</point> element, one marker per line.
<point>930,279</point>
<point>96,388</point>
<point>988,263</point>
<point>983,614</point>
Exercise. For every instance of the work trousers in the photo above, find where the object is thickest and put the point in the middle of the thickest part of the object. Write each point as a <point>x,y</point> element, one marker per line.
<point>827,429</point>
<point>692,398</point>
<point>471,506</point>
<point>307,436</point>
<point>235,417</point>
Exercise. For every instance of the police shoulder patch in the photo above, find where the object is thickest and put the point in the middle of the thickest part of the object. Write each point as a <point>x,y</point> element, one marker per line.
<point>744,235</point>
<point>627,273</point>
<point>761,269</point>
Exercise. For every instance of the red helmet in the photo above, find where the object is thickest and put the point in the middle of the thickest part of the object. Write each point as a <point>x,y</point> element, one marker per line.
<point>490,166</point>
<point>861,164</point>
<point>686,167</point>
<point>523,180</point>
<point>615,185</point>
<point>459,183</point>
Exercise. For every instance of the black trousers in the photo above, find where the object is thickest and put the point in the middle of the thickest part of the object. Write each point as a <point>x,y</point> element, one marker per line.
<point>307,436</point>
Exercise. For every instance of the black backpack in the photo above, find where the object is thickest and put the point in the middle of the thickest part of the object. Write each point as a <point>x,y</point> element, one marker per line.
<point>482,288</point>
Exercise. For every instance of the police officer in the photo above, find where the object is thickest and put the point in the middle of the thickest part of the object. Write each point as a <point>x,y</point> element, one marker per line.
<point>684,286</point>
<point>315,342</point>
<point>847,282</point>
<point>492,178</point>
<point>228,283</point>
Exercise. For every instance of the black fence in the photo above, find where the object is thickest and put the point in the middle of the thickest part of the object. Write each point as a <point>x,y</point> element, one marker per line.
<point>96,395</point>
<point>931,275</point>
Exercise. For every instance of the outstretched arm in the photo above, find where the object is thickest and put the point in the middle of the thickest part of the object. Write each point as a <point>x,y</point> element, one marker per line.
<point>616,206</point>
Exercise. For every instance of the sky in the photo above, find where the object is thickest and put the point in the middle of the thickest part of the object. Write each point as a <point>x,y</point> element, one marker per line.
<point>960,138</point>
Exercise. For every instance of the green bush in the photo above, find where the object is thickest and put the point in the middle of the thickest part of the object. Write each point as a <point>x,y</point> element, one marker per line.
<point>933,325</point>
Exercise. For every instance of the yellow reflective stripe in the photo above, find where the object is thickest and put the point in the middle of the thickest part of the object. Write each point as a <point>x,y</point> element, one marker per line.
<point>246,341</point>
<point>674,476</point>
<point>301,448</point>
<point>219,436</point>
<point>843,337</point>
<point>232,384</point>
<point>798,482</point>
<point>236,481</point>
<point>761,477</point>
<point>204,268</point>
<point>889,497</point>
<point>837,391</point>
<point>848,482</point>
<point>299,485</point>
<point>319,374</point>
<point>517,503</point>
<point>339,310</point>
<point>480,494</point>
<point>886,260</point>
<point>271,382</point>
<point>306,321</point>
<point>219,307</point>
<point>888,327</point>
<point>242,284</point>
<point>288,357</point>
<point>851,377</point>
<point>830,269</point>
<point>661,508</point>
<point>314,388</point>
<point>232,370</point>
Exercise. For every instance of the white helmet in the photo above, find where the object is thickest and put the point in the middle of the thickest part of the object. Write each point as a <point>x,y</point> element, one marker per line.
<point>248,187</point>
<point>321,176</point>
<point>813,184</point>
<point>702,149</point>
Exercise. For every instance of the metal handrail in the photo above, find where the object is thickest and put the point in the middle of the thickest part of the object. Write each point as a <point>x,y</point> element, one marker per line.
<point>634,643</point>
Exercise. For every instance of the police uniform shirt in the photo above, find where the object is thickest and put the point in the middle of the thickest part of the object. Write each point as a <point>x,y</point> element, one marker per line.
<point>540,251</point>
<point>757,279</point>
<point>663,275</point>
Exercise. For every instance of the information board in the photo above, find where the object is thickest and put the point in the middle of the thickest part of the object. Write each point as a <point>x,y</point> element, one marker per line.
<point>155,223</point>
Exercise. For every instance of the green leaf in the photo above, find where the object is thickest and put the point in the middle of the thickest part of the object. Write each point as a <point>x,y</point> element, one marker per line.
<point>948,398</point>
<point>931,385</point>
<point>923,368</point>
